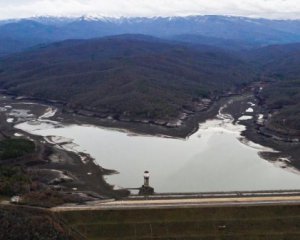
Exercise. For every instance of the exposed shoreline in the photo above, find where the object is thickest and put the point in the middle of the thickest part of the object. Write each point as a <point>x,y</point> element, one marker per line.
<point>286,149</point>
<point>97,183</point>
<point>57,165</point>
<point>288,152</point>
<point>147,127</point>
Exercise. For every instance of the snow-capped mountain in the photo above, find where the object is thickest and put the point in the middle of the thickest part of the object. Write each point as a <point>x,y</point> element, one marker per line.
<point>192,29</point>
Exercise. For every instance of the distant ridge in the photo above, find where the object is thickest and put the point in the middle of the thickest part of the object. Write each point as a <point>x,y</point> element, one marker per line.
<point>238,28</point>
<point>221,31</point>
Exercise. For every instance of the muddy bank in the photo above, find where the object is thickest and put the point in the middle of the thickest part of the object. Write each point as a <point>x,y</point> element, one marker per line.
<point>189,121</point>
<point>187,128</point>
<point>287,151</point>
<point>182,126</point>
<point>51,164</point>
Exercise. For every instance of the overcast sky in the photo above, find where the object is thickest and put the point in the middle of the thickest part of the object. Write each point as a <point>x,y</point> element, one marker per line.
<point>282,9</point>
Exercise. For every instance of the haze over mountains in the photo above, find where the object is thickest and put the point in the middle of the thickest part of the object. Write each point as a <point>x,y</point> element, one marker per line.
<point>239,31</point>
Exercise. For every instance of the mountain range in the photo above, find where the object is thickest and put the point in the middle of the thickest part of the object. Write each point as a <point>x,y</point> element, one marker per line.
<point>236,31</point>
<point>152,69</point>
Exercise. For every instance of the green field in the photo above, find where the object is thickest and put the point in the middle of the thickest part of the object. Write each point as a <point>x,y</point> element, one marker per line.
<point>214,223</point>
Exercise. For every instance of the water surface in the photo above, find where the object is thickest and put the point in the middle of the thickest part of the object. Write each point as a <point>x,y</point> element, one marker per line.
<point>212,159</point>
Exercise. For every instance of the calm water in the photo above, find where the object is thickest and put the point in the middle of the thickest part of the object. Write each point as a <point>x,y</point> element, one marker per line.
<point>212,159</point>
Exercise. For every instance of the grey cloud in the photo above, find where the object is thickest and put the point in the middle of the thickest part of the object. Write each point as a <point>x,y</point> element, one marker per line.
<point>250,8</point>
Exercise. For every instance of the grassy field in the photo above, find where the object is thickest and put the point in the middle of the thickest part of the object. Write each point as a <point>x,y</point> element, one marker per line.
<point>214,223</point>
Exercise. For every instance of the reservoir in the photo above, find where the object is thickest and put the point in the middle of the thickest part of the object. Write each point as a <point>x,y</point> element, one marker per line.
<point>215,158</point>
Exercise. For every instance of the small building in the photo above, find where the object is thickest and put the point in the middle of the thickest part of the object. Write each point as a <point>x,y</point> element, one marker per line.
<point>146,189</point>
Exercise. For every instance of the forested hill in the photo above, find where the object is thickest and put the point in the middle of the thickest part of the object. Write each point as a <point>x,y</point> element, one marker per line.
<point>132,76</point>
<point>278,61</point>
<point>280,64</point>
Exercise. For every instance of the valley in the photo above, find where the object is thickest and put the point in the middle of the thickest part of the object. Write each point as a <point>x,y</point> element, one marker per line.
<point>143,91</point>
<point>209,105</point>
<point>66,133</point>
